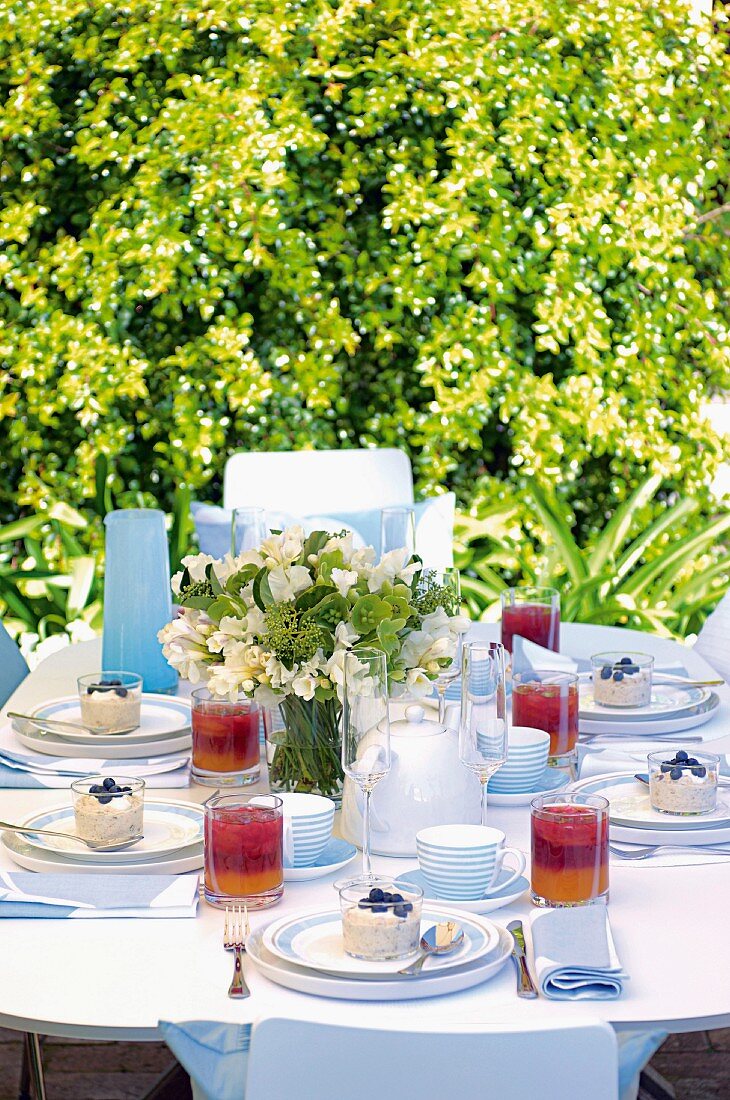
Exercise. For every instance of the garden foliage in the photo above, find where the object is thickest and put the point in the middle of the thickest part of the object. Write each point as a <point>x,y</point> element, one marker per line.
<point>486,232</point>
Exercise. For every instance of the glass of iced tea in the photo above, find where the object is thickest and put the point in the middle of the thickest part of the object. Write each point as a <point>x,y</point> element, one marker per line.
<point>225,740</point>
<point>243,844</point>
<point>533,613</point>
<point>548,701</point>
<point>569,849</point>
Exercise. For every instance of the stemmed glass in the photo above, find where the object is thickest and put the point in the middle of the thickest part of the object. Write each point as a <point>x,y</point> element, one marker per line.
<point>397,529</point>
<point>445,587</point>
<point>483,725</point>
<point>365,729</point>
<point>248,529</point>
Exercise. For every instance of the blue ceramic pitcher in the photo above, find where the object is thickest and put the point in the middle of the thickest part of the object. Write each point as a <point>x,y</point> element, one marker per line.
<point>137,598</point>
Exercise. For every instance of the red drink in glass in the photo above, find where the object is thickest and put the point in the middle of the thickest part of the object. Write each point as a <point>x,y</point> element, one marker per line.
<point>569,849</point>
<point>548,701</point>
<point>532,613</point>
<point>244,851</point>
<point>225,740</point>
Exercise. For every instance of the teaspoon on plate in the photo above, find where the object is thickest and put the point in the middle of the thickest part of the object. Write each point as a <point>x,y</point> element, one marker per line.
<point>26,723</point>
<point>439,939</point>
<point>94,845</point>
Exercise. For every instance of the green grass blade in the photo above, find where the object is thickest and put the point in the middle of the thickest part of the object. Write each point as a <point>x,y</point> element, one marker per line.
<point>636,550</point>
<point>548,511</point>
<point>617,529</point>
<point>659,573</point>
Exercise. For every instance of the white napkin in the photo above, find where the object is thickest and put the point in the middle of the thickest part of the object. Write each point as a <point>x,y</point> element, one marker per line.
<point>26,894</point>
<point>575,956</point>
<point>527,654</point>
<point>630,757</point>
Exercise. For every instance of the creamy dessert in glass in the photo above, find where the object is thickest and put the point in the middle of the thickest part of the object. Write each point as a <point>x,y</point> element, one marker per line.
<point>108,809</point>
<point>110,701</point>
<point>683,784</point>
<point>380,920</point>
<point>622,679</point>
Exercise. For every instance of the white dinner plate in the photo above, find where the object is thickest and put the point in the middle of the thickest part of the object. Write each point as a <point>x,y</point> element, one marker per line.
<point>314,940</point>
<point>497,898</point>
<point>667,700</point>
<point>697,716</point>
<point>630,808</point>
<point>34,859</point>
<point>336,855</point>
<point>160,716</point>
<point>169,826</point>
<point>552,780</point>
<point>119,750</point>
<point>430,983</point>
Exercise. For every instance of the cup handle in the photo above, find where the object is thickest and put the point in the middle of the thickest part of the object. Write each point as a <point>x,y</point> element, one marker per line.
<point>521,863</point>
<point>288,845</point>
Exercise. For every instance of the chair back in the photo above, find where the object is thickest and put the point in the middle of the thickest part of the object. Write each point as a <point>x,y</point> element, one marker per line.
<point>318,482</point>
<point>13,669</point>
<point>562,1060</point>
<point>713,640</point>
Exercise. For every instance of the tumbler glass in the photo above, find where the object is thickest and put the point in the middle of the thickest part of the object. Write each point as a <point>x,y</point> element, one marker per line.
<point>243,846</point>
<point>569,849</point>
<point>548,701</point>
<point>225,740</point>
<point>531,612</point>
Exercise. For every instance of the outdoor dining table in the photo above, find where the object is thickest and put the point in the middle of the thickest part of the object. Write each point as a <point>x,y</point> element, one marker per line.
<point>117,978</point>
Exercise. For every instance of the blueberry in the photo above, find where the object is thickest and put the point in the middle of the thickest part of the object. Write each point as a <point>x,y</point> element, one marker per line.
<point>96,789</point>
<point>109,783</point>
<point>376,894</point>
<point>380,909</point>
<point>692,763</point>
<point>631,670</point>
<point>387,898</point>
<point>606,672</point>
<point>363,903</point>
<point>400,911</point>
<point>681,756</point>
<point>675,773</point>
<point>396,897</point>
<point>626,661</point>
<point>112,683</point>
<point>104,799</point>
<point>114,790</point>
<point>126,790</point>
<point>408,906</point>
<point>699,772</point>
<point>668,766</point>
<point>99,687</point>
<point>121,692</point>
<point>618,675</point>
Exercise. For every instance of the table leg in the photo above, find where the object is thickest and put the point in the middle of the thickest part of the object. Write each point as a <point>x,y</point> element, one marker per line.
<point>32,1069</point>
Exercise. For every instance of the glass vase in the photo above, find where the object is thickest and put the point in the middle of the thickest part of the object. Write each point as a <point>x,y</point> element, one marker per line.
<point>304,746</point>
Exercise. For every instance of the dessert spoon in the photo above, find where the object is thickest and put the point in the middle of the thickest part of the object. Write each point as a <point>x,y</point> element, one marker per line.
<point>95,845</point>
<point>438,940</point>
<point>61,729</point>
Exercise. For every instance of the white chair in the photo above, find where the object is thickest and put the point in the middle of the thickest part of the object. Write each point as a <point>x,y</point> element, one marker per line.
<point>302,1060</point>
<point>310,482</point>
<point>713,640</point>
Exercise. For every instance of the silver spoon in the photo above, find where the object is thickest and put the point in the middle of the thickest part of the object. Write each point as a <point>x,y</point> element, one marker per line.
<point>95,845</point>
<point>61,729</point>
<point>438,940</point>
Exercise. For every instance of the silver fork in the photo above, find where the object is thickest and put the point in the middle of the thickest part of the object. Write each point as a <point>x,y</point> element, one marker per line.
<point>644,853</point>
<point>235,934</point>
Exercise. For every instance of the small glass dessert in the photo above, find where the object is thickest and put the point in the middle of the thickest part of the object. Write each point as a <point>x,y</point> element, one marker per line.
<point>379,919</point>
<point>548,701</point>
<point>108,809</point>
<point>684,785</point>
<point>569,849</point>
<point>225,740</point>
<point>533,613</point>
<point>622,679</point>
<point>243,848</point>
<point>110,701</point>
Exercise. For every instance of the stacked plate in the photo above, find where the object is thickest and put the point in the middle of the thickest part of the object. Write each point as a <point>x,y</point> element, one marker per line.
<point>164,728</point>
<point>672,709</point>
<point>305,952</point>
<point>172,843</point>
<point>633,820</point>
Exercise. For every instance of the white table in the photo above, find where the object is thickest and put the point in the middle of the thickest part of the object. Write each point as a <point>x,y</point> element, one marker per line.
<point>111,979</point>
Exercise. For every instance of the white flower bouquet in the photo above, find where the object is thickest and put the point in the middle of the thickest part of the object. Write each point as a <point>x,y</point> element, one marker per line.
<point>275,624</point>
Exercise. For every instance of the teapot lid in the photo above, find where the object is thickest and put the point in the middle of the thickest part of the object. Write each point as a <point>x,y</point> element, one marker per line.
<point>415,724</point>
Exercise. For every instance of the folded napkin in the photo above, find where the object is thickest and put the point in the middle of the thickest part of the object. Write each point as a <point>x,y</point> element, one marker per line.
<point>528,655</point>
<point>25,894</point>
<point>575,957</point>
<point>215,1055</point>
<point>629,757</point>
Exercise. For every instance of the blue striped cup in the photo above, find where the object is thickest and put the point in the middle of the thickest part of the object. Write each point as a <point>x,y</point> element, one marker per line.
<point>461,862</point>
<point>527,757</point>
<point>308,820</point>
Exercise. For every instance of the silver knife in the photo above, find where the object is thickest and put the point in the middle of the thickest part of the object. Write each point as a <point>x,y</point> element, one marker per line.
<point>525,985</point>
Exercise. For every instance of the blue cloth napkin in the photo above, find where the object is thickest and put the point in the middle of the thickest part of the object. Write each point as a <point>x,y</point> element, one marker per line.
<point>215,1055</point>
<point>575,957</point>
<point>25,894</point>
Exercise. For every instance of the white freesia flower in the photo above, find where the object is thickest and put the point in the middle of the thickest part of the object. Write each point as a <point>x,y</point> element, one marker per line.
<point>345,636</point>
<point>305,685</point>
<point>229,629</point>
<point>392,567</point>
<point>196,565</point>
<point>418,683</point>
<point>362,560</point>
<point>255,621</point>
<point>285,548</point>
<point>344,580</point>
<point>286,583</point>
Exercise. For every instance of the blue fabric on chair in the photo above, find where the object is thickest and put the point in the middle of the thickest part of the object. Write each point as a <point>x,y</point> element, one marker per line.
<point>13,669</point>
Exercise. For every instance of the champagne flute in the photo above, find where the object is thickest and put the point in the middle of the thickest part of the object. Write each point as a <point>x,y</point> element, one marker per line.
<point>442,589</point>
<point>248,529</point>
<point>397,529</point>
<point>365,729</point>
<point>483,724</point>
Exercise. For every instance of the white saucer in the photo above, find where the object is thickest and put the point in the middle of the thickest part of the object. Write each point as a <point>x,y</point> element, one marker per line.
<point>169,826</point>
<point>667,700</point>
<point>33,859</point>
<point>428,984</point>
<point>552,780</point>
<point>497,898</point>
<point>336,855</point>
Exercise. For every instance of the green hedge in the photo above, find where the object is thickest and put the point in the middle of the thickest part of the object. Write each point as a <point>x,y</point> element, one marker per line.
<point>486,232</point>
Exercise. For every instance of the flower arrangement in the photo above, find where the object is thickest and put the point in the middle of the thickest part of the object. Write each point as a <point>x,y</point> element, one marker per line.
<point>275,624</point>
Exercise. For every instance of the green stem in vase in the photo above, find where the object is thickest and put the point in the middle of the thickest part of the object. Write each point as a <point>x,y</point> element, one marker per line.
<point>307,750</point>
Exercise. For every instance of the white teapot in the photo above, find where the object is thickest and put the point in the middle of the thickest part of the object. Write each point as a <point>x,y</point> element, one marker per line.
<point>427,785</point>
